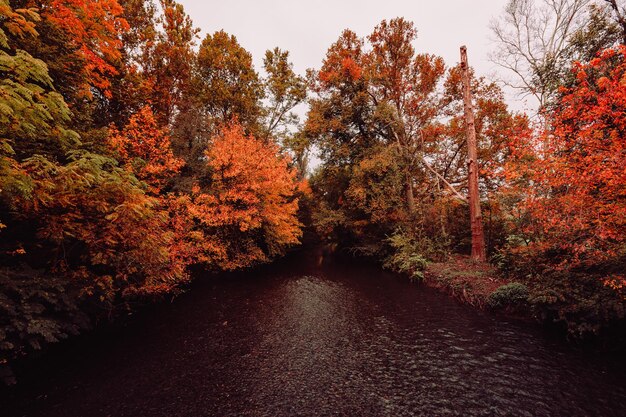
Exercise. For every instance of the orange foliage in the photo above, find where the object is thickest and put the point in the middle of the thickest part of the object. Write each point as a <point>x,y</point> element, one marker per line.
<point>93,29</point>
<point>145,150</point>
<point>248,213</point>
<point>106,231</point>
<point>343,61</point>
<point>253,184</point>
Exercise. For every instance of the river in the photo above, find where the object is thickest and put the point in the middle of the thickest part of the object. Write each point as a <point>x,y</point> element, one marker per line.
<point>314,336</point>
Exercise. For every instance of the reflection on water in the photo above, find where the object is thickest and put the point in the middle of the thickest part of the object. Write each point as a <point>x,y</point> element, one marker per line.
<point>332,338</point>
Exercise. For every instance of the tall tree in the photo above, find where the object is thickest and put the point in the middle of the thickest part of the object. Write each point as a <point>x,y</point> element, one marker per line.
<point>572,176</point>
<point>404,87</point>
<point>228,85</point>
<point>169,63</point>
<point>392,90</point>
<point>532,38</point>
<point>285,90</point>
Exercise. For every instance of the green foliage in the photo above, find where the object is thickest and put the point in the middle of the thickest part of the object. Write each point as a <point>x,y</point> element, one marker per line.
<point>577,301</point>
<point>407,255</point>
<point>36,309</point>
<point>226,82</point>
<point>285,90</point>
<point>510,295</point>
<point>32,113</point>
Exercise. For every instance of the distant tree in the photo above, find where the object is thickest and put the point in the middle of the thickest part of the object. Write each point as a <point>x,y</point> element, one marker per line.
<point>284,91</point>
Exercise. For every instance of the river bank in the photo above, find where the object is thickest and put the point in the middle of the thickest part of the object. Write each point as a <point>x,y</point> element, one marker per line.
<point>575,305</point>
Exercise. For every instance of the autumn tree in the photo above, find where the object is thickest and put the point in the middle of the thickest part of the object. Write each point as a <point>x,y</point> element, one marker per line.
<point>404,92</point>
<point>99,226</point>
<point>225,86</point>
<point>145,150</point>
<point>376,95</point>
<point>132,86</point>
<point>285,90</point>
<point>228,85</point>
<point>169,60</point>
<point>574,174</point>
<point>248,214</point>
<point>80,42</point>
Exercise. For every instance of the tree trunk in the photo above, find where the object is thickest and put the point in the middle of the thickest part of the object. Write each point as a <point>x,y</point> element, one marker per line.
<point>478,237</point>
<point>410,198</point>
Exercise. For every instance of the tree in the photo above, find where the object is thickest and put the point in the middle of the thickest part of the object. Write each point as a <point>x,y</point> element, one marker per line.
<point>285,90</point>
<point>254,189</point>
<point>224,86</point>
<point>92,31</point>
<point>33,116</point>
<point>169,62</point>
<point>97,225</point>
<point>599,32</point>
<point>404,92</point>
<point>532,38</point>
<point>131,87</point>
<point>389,94</point>
<point>619,14</point>
<point>247,212</point>
<point>375,96</point>
<point>572,176</point>
<point>145,150</point>
<point>226,82</point>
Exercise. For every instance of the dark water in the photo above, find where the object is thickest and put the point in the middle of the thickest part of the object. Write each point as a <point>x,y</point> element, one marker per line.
<point>302,339</point>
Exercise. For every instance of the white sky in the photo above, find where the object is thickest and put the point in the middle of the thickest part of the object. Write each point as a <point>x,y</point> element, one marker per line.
<point>307,28</point>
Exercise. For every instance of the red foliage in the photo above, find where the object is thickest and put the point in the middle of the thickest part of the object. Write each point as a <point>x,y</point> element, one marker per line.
<point>94,30</point>
<point>575,169</point>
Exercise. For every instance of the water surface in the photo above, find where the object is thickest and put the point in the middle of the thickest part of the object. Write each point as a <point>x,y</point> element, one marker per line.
<point>319,337</point>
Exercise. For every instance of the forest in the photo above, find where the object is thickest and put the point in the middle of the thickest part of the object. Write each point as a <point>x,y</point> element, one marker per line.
<point>134,152</point>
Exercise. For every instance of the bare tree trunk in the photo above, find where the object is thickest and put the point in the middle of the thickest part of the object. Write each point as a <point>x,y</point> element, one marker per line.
<point>478,237</point>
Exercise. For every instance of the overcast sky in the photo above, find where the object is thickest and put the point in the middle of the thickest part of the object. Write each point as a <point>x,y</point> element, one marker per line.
<point>307,28</point>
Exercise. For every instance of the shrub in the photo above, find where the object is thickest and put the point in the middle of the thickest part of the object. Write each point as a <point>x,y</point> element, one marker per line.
<point>512,295</point>
<point>406,256</point>
<point>578,301</point>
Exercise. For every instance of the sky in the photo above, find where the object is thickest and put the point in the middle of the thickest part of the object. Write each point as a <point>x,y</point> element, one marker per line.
<point>307,28</point>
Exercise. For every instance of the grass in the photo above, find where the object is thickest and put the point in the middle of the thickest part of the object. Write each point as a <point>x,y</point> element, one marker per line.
<point>469,281</point>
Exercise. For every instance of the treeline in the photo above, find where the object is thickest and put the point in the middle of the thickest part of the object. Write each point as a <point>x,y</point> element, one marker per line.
<point>389,124</point>
<point>130,151</point>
